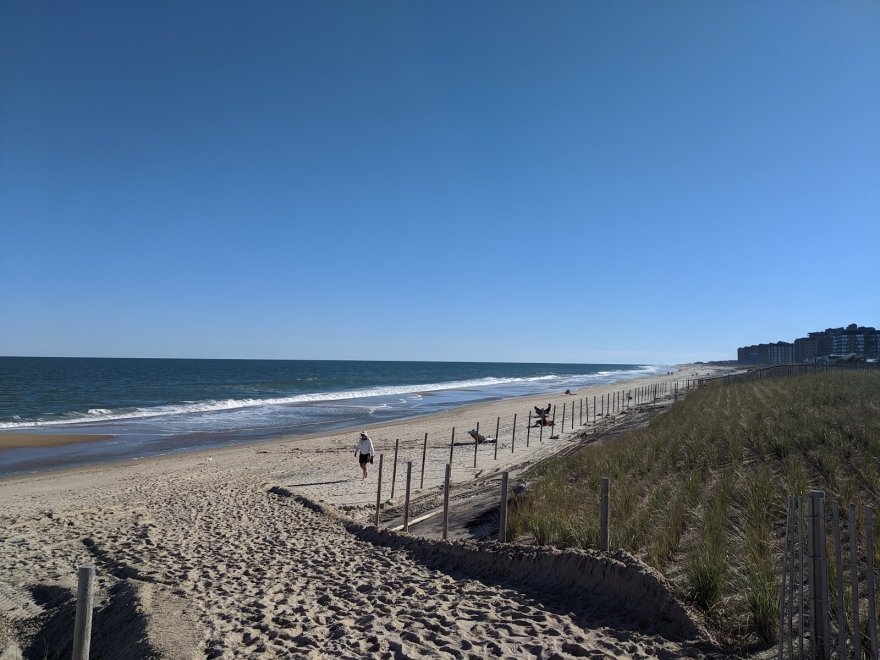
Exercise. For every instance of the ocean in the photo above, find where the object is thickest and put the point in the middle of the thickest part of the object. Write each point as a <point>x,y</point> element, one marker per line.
<point>160,406</point>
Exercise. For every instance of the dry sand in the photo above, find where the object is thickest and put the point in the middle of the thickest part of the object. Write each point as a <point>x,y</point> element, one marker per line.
<point>266,551</point>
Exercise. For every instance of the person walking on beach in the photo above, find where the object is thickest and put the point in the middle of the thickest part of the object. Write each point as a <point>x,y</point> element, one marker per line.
<point>364,451</point>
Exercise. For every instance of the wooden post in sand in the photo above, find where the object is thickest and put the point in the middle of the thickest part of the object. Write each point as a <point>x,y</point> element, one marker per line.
<point>529,429</point>
<point>854,579</point>
<point>379,490</point>
<point>580,415</point>
<point>604,535</point>
<point>446,502</point>
<point>502,523</point>
<point>424,452</point>
<point>451,445</point>
<point>572,415</point>
<point>406,501</point>
<point>82,631</point>
<point>497,429</point>
<point>513,435</point>
<point>541,431</point>
<point>476,443</point>
<point>872,602</point>
<point>563,418</point>
<point>394,471</point>
<point>594,409</point>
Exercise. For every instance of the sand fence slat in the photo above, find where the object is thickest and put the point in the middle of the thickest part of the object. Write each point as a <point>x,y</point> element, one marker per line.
<point>838,574</point>
<point>852,513</point>
<point>872,596</point>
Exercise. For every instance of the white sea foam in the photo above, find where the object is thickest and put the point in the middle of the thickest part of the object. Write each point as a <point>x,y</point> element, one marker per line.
<point>194,407</point>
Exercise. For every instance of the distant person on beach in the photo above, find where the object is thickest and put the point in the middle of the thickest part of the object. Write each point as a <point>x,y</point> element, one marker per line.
<point>569,392</point>
<point>364,451</point>
<point>479,437</point>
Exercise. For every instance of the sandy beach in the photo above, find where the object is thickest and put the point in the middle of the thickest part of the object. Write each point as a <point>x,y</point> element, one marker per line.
<point>268,550</point>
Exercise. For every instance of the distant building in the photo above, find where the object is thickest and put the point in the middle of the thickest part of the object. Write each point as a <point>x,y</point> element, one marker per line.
<point>806,349</point>
<point>864,342</point>
<point>780,353</point>
<point>757,354</point>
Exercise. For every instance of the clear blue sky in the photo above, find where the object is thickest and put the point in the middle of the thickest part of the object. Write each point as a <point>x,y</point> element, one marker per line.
<point>512,181</point>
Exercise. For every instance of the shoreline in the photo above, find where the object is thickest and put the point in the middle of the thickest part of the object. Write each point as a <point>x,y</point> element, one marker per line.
<point>431,420</point>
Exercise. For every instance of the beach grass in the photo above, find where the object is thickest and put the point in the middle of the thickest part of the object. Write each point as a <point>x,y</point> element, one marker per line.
<point>701,492</point>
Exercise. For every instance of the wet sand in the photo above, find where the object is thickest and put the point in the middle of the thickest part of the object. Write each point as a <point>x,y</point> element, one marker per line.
<point>28,440</point>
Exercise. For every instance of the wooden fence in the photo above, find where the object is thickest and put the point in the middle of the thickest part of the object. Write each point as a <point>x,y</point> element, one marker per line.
<point>574,413</point>
<point>786,370</point>
<point>827,595</point>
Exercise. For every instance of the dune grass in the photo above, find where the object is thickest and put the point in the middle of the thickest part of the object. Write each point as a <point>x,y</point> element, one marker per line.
<point>701,492</point>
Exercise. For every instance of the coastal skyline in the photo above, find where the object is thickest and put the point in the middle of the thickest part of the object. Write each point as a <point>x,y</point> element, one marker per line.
<point>574,183</point>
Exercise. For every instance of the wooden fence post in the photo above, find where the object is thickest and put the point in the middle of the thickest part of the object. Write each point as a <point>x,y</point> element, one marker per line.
<point>800,526</point>
<point>379,490</point>
<point>394,471</point>
<point>513,435</point>
<point>502,524</point>
<point>572,415</point>
<point>476,443</point>
<point>529,429</point>
<point>562,430</point>
<point>451,445</point>
<point>85,593</point>
<point>872,598</point>
<point>424,453</point>
<point>792,506</point>
<point>838,573</point>
<point>406,500</point>
<point>497,430</point>
<point>446,501</point>
<point>852,514</point>
<point>822,556</point>
<point>604,506</point>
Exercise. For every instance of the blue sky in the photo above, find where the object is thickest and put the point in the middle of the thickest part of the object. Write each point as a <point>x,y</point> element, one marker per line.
<point>512,181</point>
